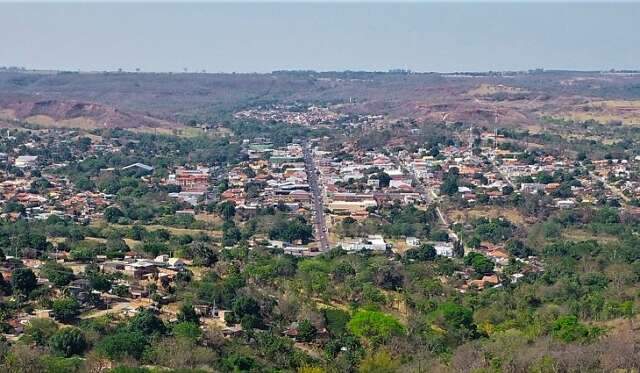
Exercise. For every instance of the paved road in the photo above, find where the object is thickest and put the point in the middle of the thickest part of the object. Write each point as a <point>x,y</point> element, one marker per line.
<point>319,222</point>
<point>426,193</point>
<point>499,171</point>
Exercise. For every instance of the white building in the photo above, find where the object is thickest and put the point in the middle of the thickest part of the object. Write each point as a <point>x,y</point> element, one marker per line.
<point>412,241</point>
<point>532,188</point>
<point>24,161</point>
<point>175,263</point>
<point>444,249</point>
<point>373,242</point>
<point>566,204</point>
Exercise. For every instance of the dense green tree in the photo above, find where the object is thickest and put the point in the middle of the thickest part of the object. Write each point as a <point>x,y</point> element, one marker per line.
<point>494,230</point>
<point>39,330</point>
<point>122,344</point>
<point>480,263</point>
<point>116,247</point>
<point>518,248</point>
<point>292,230</point>
<point>239,363</point>
<point>202,254</point>
<point>569,329</point>
<point>112,214</point>
<point>68,342</point>
<point>449,184</point>
<point>507,190</point>
<point>188,314</point>
<point>100,281</point>
<point>455,315</point>
<point>422,253</point>
<point>474,242</point>
<point>342,270</point>
<point>336,320</point>
<point>65,309</point>
<point>155,248</point>
<point>12,207</point>
<point>57,274</point>
<point>458,249</point>
<point>384,179</point>
<point>146,323</point>
<point>227,210</point>
<point>40,185</point>
<point>120,291</point>
<point>346,346</point>
<point>230,234</point>
<point>247,311</point>
<point>23,280</point>
<point>5,287</point>
<point>306,331</point>
<point>388,277</point>
<point>278,349</point>
<point>84,183</point>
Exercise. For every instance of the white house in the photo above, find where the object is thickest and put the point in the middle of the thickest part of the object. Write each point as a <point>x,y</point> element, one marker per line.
<point>532,188</point>
<point>565,204</point>
<point>24,161</point>
<point>444,249</point>
<point>412,241</point>
<point>175,263</point>
<point>161,258</point>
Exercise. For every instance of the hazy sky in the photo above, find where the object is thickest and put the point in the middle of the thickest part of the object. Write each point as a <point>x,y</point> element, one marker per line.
<point>259,37</point>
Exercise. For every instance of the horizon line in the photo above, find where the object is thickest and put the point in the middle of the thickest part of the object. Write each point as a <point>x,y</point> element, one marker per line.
<point>22,69</point>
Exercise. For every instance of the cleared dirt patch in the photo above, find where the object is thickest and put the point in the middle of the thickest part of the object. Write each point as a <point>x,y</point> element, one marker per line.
<point>625,112</point>
<point>512,215</point>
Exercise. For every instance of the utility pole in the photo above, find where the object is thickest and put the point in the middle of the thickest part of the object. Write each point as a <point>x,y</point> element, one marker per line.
<point>471,137</point>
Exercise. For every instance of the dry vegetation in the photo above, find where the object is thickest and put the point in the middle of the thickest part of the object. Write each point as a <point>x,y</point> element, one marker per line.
<point>160,101</point>
<point>607,112</point>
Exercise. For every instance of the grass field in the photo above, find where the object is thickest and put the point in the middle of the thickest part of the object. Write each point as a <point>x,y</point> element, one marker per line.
<point>210,218</point>
<point>583,235</point>
<point>177,231</point>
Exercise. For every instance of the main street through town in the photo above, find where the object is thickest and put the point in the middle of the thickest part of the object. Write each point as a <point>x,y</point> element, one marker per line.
<point>316,195</point>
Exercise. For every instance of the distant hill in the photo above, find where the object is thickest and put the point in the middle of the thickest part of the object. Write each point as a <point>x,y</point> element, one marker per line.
<point>76,114</point>
<point>129,100</point>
